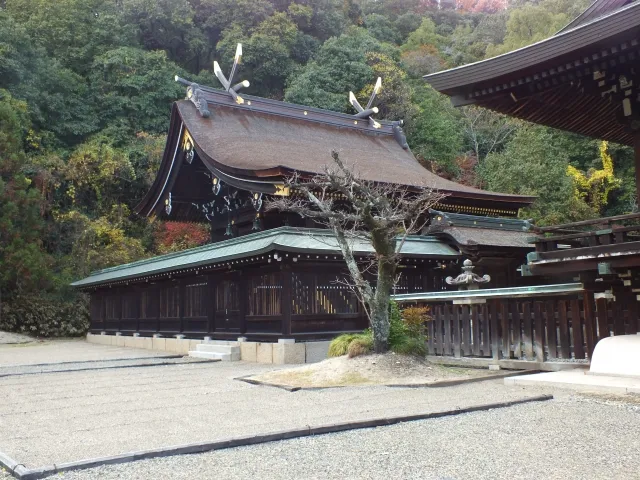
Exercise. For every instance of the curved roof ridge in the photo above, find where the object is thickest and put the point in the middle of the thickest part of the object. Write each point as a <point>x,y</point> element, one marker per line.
<point>597,9</point>
<point>442,80</point>
<point>250,142</point>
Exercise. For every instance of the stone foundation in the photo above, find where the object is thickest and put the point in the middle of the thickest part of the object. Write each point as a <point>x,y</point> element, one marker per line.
<point>281,353</point>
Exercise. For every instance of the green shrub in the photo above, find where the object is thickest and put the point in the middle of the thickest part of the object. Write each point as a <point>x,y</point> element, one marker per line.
<point>397,328</point>
<point>361,345</point>
<point>341,345</point>
<point>40,316</point>
<point>407,330</point>
<point>410,346</point>
<point>416,318</point>
<point>407,335</point>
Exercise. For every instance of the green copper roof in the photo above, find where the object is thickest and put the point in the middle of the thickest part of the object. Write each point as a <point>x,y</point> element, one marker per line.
<point>287,239</point>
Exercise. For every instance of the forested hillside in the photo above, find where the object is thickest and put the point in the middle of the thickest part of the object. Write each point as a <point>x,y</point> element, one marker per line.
<point>86,88</point>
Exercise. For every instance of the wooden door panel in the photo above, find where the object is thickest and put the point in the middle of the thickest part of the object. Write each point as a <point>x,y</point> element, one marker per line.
<point>227,316</point>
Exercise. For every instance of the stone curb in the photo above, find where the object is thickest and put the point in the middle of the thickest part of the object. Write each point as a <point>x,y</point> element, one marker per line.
<point>90,361</point>
<point>13,467</point>
<point>434,384</point>
<point>251,381</point>
<point>553,365</point>
<point>451,383</point>
<point>22,473</point>
<point>113,367</point>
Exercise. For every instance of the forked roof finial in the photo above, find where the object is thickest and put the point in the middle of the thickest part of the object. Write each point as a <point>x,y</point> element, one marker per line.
<point>369,110</point>
<point>227,83</point>
<point>195,93</point>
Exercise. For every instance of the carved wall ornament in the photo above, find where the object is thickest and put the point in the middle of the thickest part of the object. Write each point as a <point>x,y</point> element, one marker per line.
<point>189,152</point>
<point>167,205</point>
<point>282,190</point>
<point>257,226</point>
<point>232,202</point>
<point>256,201</point>
<point>216,184</point>
<point>208,209</point>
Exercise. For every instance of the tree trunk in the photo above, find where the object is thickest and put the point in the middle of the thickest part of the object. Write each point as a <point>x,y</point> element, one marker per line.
<point>380,305</point>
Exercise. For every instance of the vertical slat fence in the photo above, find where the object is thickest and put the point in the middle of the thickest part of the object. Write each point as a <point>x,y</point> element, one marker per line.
<point>535,329</point>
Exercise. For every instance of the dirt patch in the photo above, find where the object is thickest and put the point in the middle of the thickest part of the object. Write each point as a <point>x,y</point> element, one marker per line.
<point>386,369</point>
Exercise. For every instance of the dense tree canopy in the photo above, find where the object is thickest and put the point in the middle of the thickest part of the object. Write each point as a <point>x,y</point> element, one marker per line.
<point>86,88</point>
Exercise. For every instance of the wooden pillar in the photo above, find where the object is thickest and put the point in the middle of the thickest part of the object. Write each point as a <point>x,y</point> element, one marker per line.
<point>212,298</point>
<point>286,299</point>
<point>158,296</point>
<point>120,300</point>
<point>182,290</point>
<point>243,297</point>
<point>636,147</point>
<point>590,322</point>
<point>137,292</point>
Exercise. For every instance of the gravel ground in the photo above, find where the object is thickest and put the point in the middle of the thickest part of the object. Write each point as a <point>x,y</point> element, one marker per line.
<point>10,338</point>
<point>567,438</point>
<point>96,365</point>
<point>54,418</point>
<point>71,350</point>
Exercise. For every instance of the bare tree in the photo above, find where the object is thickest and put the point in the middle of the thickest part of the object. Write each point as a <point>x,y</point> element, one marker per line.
<point>486,131</point>
<point>354,209</point>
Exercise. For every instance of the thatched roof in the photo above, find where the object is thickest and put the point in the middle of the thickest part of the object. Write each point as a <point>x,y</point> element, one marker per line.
<point>256,145</point>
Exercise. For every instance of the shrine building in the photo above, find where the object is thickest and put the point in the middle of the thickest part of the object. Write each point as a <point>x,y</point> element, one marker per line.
<point>267,275</point>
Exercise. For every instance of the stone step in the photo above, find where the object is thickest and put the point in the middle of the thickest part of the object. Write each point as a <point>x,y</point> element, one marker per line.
<point>217,348</point>
<point>225,357</point>
<point>220,342</point>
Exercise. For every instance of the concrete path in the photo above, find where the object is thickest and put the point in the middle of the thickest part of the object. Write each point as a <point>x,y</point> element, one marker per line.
<point>56,351</point>
<point>579,380</point>
<point>60,417</point>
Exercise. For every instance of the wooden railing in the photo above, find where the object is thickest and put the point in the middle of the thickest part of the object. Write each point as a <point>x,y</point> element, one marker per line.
<point>610,233</point>
<point>522,329</point>
<point>536,329</point>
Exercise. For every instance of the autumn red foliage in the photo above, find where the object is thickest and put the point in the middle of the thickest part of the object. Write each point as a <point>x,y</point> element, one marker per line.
<point>173,236</point>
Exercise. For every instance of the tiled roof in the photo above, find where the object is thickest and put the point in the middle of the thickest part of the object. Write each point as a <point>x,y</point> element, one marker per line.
<point>284,239</point>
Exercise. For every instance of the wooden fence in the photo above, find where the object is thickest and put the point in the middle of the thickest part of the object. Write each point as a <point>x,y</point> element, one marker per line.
<point>536,329</point>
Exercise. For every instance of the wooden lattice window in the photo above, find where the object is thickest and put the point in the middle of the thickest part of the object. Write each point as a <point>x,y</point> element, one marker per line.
<point>409,282</point>
<point>170,301</point>
<point>112,307</point>
<point>96,308</point>
<point>314,294</point>
<point>130,306</point>
<point>195,297</point>
<point>227,298</point>
<point>265,294</point>
<point>148,304</point>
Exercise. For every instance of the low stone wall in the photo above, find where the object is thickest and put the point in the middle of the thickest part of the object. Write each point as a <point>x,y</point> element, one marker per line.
<point>283,352</point>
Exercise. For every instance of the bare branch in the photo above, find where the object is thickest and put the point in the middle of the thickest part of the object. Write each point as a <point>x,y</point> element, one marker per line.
<point>353,209</point>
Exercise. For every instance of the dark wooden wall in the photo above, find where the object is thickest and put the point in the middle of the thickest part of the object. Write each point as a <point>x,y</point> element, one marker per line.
<point>282,300</point>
